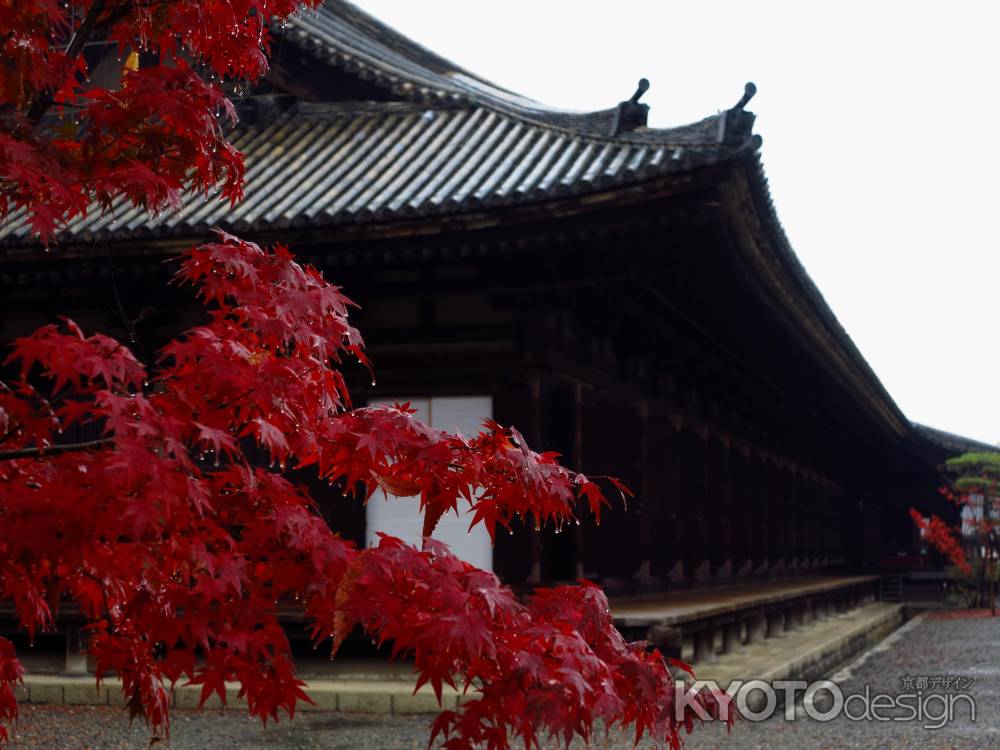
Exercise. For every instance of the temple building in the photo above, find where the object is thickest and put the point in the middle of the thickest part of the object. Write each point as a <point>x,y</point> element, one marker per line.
<point>625,295</point>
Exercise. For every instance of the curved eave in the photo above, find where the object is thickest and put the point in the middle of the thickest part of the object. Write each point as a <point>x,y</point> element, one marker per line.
<point>789,290</point>
<point>345,38</point>
<point>948,444</point>
<point>330,167</point>
<point>144,241</point>
<point>739,180</point>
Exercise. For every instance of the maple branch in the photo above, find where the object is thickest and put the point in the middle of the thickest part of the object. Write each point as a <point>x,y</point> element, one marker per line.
<point>53,450</point>
<point>129,326</point>
<point>80,38</point>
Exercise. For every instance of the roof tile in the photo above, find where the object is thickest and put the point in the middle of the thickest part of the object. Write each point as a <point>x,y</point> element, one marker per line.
<point>456,143</point>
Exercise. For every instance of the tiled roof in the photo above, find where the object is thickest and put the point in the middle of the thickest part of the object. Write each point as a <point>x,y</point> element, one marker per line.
<point>341,34</point>
<point>327,164</point>
<point>951,443</point>
<point>453,143</point>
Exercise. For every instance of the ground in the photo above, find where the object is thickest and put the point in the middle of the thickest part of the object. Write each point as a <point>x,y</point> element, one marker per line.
<point>966,648</point>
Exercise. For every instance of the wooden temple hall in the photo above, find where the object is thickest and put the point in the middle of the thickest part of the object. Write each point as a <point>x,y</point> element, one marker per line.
<point>624,295</point>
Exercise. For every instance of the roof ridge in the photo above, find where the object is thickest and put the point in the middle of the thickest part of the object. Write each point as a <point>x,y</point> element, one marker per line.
<point>364,106</point>
<point>406,44</point>
<point>356,39</point>
<point>376,107</point>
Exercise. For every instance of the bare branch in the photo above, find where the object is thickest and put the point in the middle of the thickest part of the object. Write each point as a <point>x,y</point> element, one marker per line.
<point>82,35</point>
<point>53,450</point>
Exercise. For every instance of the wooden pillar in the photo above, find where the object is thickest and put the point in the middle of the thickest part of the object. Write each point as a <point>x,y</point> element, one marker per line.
<point>780,516</point>
<point>772,485</point>
<point>535,576</point>
<point>827,500</point>
<point>561,432</point>
<point>788,516</point>
<point>805,521</point>
<point>742,536</point>
<point>819,518</point>
<point>730,637</point>
<point>795,521</point>
<point>663,498</point>
<point>76,656</point>
<point>704,646</point>
<point>517,557</point>
<point>775,623</point>
<point>611,446</point>
<point>846,507</point>
<point>819,521</point>
<point>696,552</point>
<point>719,508</point>
<point>578,536</point>
<point>756,626</point>
<point>677,501</point>
<point>726,518</point>
<point>759,509</point>
<point>809,521</point>
<point>642,501</point>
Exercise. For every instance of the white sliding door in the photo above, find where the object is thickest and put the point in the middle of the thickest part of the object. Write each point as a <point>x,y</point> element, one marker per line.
<point>400,516</point>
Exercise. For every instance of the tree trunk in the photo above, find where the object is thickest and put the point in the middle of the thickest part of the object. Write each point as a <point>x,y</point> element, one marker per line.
<point>981,597</point>
<point>990,579</point>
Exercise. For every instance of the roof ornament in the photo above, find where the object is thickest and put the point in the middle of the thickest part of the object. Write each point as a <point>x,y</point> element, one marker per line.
<point>736,124</point>
<point>261,110</point>
<point>631,114</point>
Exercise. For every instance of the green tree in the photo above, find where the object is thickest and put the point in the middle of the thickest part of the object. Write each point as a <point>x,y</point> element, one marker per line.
<point>973,546</point>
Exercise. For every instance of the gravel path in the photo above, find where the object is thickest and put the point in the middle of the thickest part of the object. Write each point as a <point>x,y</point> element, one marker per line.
<point>967,648</point>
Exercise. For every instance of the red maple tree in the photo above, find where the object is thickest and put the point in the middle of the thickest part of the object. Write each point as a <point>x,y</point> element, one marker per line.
<point>173,543</point>
<point>975,489</point>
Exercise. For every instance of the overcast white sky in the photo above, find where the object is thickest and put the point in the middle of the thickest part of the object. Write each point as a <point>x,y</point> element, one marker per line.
<point>880,123</point>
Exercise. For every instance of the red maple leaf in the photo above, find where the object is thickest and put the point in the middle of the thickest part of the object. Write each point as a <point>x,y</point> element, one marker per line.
<point>179,565</point>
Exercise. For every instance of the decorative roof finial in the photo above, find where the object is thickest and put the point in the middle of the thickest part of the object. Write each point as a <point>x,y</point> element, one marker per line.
<point>641,89</point>
<point>748,93</point>
<point>736,124</point>
<point>632,114</point>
